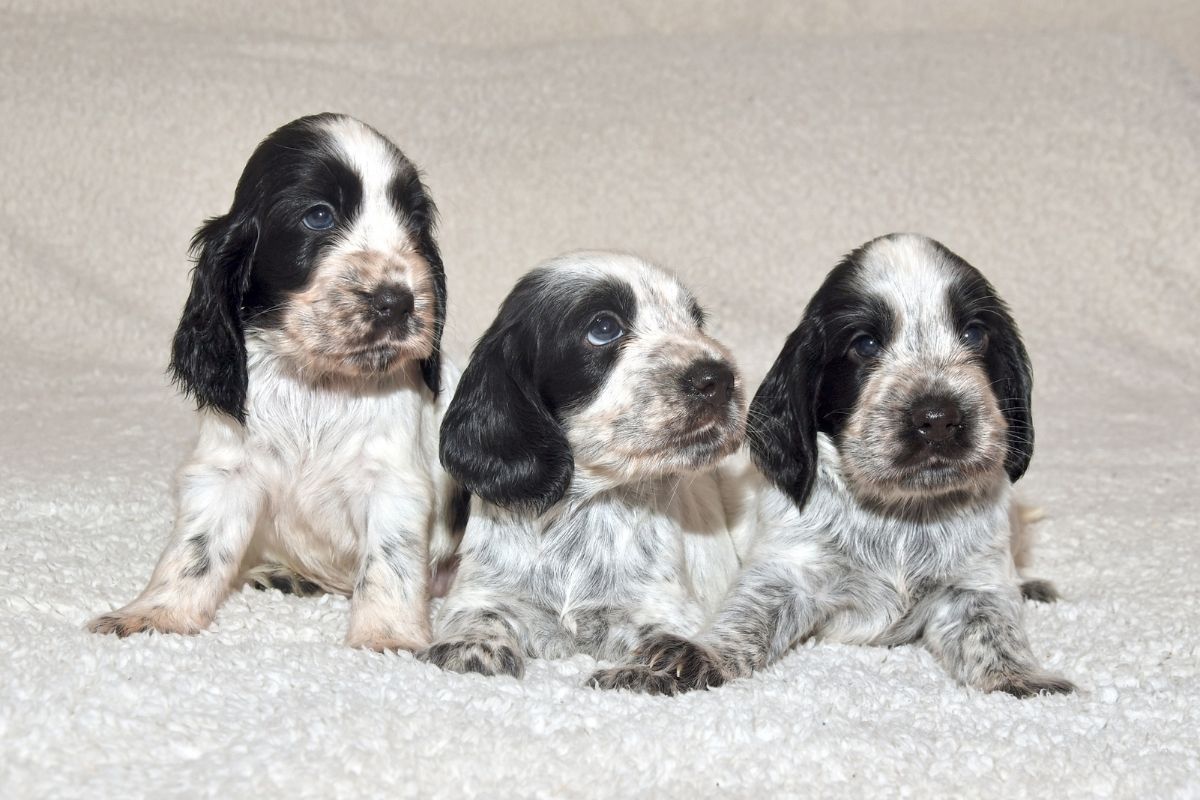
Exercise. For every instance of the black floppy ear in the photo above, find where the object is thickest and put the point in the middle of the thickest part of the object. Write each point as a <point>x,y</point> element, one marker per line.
<point>208,355</point>
<point>1012,381</point>
<point>783,414</point>
<point>423,215</point>
<point>431,367</point>
<point>498,438</point>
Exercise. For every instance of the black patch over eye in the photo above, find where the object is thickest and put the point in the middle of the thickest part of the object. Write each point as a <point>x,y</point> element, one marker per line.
<point>319,218</point>
<point>864,347</point>
<point>604,329</point>
<point>975,336</point>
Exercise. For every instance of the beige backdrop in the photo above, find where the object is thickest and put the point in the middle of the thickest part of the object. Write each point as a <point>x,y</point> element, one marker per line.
<point>747,150</point>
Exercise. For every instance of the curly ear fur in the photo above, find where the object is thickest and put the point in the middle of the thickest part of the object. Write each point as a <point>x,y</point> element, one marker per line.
<point>208,354</point>
<point>498,439</point>
<point>1012,377</point>
<point>783,415</point>
<point>422,214</point>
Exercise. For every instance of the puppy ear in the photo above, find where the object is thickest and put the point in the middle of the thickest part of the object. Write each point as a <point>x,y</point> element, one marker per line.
<point>431,367</point>
<point>1012,379</point>
<point>208,355</point>
<point>498,437</point>
<point>783,415</point>
<point>423,216</point>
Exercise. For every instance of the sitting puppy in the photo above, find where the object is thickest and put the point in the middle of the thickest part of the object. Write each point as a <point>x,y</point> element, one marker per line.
<point>310,342</point>
<point>890,429</point>
<point>586,426</point>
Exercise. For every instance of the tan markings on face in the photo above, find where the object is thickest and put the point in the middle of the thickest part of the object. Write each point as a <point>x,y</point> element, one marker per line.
<point>925,357</point>
<point>330,328</point>
<point>643,423</point>
<point>873,443</point>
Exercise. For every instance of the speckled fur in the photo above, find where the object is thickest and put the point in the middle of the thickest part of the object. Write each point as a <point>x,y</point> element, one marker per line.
<point>871,554</point>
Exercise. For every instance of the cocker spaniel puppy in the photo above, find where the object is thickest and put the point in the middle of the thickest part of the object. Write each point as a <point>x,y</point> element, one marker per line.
<point>587,427</point>
<point>889,432</point>
<point>310,343</point>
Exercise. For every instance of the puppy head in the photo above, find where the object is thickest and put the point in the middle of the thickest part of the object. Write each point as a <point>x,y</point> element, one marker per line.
<point>329,251</point>
<point>597,372</point>
<point>909,361</point>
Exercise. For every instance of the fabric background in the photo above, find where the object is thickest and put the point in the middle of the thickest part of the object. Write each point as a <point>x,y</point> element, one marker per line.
<point>747,149</point>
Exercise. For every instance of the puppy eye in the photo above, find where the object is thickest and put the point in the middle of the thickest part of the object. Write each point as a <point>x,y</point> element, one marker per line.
<point>319,218</point>
<point>865,347</point>
<point>604,329</point>
<point>975,336</point>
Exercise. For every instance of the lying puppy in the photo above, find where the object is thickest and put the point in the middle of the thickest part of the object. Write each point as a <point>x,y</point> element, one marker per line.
<point>586,426</point>
<point>891,429</point>
<point>310,342</point>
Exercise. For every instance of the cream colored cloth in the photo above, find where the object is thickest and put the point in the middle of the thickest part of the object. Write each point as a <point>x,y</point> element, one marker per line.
<point>747,152</point>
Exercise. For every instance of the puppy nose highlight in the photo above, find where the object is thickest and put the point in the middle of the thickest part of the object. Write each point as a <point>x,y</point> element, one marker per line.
<point>710,380</point>
<point>391,302</point>
<point>936,420</point>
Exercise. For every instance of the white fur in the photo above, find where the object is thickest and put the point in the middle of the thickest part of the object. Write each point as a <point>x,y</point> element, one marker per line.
<point>332,480</point>
<point>316,480</point>
<point>857,560</point>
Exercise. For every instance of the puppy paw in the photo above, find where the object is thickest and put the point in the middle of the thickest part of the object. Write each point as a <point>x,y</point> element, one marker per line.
<point>1032,684</point>
<point>636,678</point>
<point>130,620</point>
<point>475,655</point>
<point>690,665</point>
<point>1039,591</point>
<point>386,642</point>
<point>266,577</point>
<point>374,626</point>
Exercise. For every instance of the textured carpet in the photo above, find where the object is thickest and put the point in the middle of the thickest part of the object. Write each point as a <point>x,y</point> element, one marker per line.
<point>1065,166</point>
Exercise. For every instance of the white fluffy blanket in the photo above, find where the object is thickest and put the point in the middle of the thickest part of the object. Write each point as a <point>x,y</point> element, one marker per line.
<point>1066,166</point>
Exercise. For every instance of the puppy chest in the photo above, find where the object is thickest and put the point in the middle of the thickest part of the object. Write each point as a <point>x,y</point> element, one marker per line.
<point>601,560</point>
<point>324,485</point>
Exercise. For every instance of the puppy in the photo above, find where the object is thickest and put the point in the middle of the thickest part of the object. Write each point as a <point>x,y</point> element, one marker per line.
<point>587,426</point>
<point>310,343</point>
<point>888,434</point>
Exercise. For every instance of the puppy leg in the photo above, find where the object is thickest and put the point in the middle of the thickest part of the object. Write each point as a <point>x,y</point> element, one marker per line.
<point>977,636</point>
<point>770,606</point>
<point>218,508</point>
<point>389,609</point>
<point>477,640</point>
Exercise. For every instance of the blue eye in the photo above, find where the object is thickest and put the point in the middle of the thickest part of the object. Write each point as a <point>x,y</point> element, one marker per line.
<point>604,329</point>
<point>865,347</point>
<point>975,336</point>
<point>319,218</point>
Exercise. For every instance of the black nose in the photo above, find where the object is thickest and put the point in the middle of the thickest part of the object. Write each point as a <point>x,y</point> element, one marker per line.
<point>712,381</point>
<point>936,419</point>
<point>391,303</point>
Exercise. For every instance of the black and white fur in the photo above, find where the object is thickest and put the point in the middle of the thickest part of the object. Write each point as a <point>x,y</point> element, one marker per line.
<point>587,427</point>
<point>310,343</point>
<point>888,433</point>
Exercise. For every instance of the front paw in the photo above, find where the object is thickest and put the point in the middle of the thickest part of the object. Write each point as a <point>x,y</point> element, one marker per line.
<point>1031,684</point>
<point>131,619</point>
<point>386,642</point>
<point>385,630</point>
<point>475,655</point>
<point>636,678</point>
<point>692,666</point>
